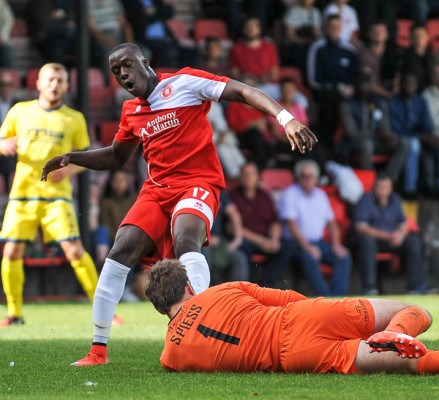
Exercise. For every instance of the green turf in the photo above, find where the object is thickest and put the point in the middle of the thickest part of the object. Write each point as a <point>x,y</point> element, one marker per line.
<point>57,334</point>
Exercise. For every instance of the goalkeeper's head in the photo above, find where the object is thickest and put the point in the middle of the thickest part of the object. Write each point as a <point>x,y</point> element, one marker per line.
<point>167,284</point>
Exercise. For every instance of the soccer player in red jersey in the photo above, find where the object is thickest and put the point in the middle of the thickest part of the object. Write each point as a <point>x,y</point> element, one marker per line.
<point>242,327</point>
<point>178,202</point>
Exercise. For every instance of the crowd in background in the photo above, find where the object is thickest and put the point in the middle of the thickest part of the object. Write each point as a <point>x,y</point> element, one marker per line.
<point>363,75</point>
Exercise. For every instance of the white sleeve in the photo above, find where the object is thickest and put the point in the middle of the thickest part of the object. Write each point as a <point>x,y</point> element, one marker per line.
<point>204,88</point>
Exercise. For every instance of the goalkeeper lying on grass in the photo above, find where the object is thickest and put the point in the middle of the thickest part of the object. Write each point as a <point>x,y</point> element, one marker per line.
<point>242,327</point>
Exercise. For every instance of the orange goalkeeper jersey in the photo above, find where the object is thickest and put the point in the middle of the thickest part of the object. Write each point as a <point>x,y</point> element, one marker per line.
<point>230,327</point>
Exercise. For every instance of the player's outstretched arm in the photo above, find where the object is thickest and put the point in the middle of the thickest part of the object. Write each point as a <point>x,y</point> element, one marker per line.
<point>112,157</point>
<point>299,135</point>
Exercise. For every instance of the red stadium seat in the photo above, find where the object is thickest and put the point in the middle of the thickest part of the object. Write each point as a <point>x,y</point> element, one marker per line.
<point>392,258</point>
<point>16,76</point>
<point>293,73</point>
<point>95,78</point>
<point>340,209</point>
<point>31,78</point>
<point>433,33</point>
<point>296,75</point>
<point>403,35</point>
<point>101,104</point>
<point>367,178</point>
<point>204,28</point>
<point>181,32</point>
<point>276,178</point>
<point>19,29</point>
<point>107,131</point>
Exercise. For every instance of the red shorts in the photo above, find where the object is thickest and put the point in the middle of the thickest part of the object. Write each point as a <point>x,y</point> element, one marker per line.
<point>323,335</point>
<point>157,207</point>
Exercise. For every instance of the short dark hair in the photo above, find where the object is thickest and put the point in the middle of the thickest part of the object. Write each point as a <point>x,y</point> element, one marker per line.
<point>383,176</point>
<point>129,46</point>
<point>287,79</point>
<point>165,284</point>
<point>331,17</point>
<point>418,25</point>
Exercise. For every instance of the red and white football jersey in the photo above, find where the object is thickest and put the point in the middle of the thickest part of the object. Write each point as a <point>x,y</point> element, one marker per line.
<point>174,130</point>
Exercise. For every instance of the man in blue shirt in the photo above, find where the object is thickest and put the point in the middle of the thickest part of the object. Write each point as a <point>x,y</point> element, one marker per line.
<point>380,225</point>
<point>411,119</point>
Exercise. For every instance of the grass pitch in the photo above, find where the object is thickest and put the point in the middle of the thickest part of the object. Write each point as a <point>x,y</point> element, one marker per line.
<point>57,334</point>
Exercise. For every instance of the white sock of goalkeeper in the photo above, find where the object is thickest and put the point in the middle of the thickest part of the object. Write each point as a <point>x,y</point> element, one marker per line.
<point>197,270</point>
<point>108,293</point>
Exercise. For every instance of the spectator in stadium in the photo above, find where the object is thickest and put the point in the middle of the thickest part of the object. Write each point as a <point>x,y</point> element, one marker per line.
<point>367,131</point>
<point>262,228</point>
<point>418,59</point>
<point>117,199</point>
<point>373,10</point>
<point>213,58</point>
<point>100,238</point>
<point>7,100</point>
<point>108,27</point>
<point>241,327</point>
<point>410,118</point>
<point>431,96</point>
<point>418,10</point>
<point>306,212</point>
<point>348,18</point>
<point>225,258</point>
<point>226,142</point>
<point>251,128</point>
<point>8,90</point>
<point>289,90</point>
<point>332,64</point>
<point>115,202</point>
<point>254,54</point>
<point>234,12</point>
<point>7,19</point>
<point>148,19</point>
<point>49,127</point>
<point>303,25</point>
<point>178,202</point>
<point>381,226</point>
<point>52,29</point>
<point>378,57</point>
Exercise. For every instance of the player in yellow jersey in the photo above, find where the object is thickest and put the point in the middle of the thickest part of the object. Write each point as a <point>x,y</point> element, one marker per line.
<point>36,131</point>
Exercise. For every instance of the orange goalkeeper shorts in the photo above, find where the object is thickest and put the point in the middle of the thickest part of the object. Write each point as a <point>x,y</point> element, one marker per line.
<point>322,335</point>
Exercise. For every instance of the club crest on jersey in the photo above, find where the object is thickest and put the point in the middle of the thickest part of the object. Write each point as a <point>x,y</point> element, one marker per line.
<point>198,205</point>
<point>167,92</point>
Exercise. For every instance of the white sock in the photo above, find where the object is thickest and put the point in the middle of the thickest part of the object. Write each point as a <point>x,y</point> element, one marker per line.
<point>197,270</point>
<point>108,293</point>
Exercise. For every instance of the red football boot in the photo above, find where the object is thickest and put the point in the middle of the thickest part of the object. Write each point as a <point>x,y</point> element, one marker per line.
<point>404,345</point>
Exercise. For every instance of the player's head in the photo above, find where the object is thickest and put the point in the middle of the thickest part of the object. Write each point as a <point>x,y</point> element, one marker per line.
<point>52,84</point>
<point>131,70</point>
<point>166,284</point>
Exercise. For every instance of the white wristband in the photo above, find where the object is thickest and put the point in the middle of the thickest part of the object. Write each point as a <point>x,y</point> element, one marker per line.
<point>284,117</point>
